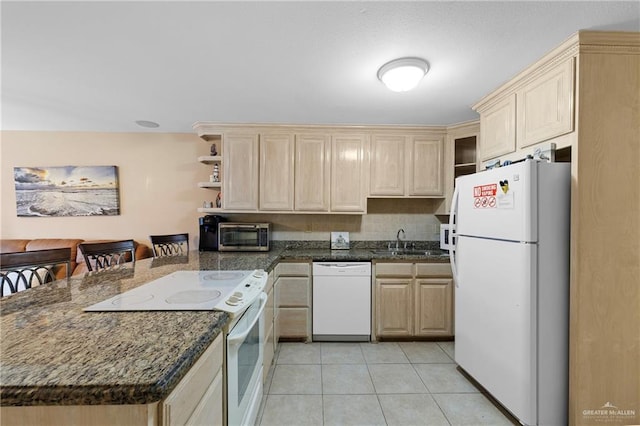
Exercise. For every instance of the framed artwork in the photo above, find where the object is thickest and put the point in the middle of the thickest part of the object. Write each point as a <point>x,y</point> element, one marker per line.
<point>67,191</point>
<point>339,241</point>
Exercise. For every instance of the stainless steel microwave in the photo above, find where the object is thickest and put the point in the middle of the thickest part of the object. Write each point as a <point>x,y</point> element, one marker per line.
<point>243,236</point>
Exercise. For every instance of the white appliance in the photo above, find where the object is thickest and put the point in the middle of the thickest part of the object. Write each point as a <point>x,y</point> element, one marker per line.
<point>341,301</point>
<point>241,295</point>
<point>510,262</point>
<point>229,291</point>
<point>244,359</point>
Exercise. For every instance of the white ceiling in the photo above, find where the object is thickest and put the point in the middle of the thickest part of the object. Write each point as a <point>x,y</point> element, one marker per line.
<point>99,66</point>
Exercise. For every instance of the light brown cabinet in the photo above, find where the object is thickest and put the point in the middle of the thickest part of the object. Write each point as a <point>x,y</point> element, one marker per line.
<point>312,172</point>
<point>545,105</point>
<point>387,167</point>
<point>199,394</point>
<point>293,300</point>
<point>498,128</point>
<point>413,300</point>
<point>394,307</point>
<point>349,172</point>
<point>276,171</point>
<point>240,181</point>
<point>425,162</point>
<point>538,109</point>
<point>406,165</point>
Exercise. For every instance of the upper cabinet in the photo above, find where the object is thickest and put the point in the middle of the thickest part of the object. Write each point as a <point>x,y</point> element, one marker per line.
<point>387,168</point>
<point>276,171</point>
<point>536,106</point>
<point>545,105</point>
<point>498,128</point>
<point>348,172</point>
<point>240,182</point>
<point>425,166</point>
<point>312,172</point>
<point>406,165</point>
<point>321,169</point>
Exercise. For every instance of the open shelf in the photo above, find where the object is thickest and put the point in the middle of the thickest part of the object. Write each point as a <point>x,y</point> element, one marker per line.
<point>209,210</point>
<point>209,184</point>
<point>210,159</point>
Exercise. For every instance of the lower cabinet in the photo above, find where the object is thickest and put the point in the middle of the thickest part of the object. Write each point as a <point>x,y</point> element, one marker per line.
<point>413,300</point>
<point>198,396</point>
<point>293,300</point>
<point>270,343</point>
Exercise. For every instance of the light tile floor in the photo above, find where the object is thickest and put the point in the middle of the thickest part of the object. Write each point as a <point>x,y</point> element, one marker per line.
<point>405,384</point>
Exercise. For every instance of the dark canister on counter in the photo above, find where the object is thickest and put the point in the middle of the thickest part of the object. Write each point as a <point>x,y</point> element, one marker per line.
<point>209,232</point>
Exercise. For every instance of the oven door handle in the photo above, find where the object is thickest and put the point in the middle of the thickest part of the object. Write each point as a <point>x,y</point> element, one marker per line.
<point>235,340</point>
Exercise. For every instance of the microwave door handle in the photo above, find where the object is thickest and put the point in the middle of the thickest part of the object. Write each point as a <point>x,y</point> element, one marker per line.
<point>452,232</point>
<point>235,340</point>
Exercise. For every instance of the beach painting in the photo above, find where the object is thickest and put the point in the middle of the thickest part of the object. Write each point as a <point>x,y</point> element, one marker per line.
<point>67,191</point>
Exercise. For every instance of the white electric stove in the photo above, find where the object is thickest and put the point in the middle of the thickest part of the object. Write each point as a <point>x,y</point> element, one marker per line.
<point>229,291</point>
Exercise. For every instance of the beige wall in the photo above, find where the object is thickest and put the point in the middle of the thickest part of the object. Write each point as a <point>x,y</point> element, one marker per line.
<point>158,194</point>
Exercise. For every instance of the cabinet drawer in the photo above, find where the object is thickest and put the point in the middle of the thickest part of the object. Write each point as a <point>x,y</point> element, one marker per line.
<point>394,269</point>
<point>293,322</point>
<point>183,400</point>
<point>294,292</point>
<point>433,270</point>
<point>293,269</point>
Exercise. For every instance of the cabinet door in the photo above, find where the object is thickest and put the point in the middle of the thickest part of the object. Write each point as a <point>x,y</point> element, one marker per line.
<point>387,168</point>
<point>294,323</point>
<point>276,172</point>
<point>312,169</point>
<point>240,184</point>
<point>498,129</point>
<point>181,403</point>
<point>394,307</point>
<point>434,307</point>
<point>545,106</point>
<point>209,410</point>
<point>426,166</point>
<point>348,173</point>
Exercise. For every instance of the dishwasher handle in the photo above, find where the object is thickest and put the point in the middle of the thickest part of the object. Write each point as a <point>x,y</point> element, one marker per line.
<point>341,268</point>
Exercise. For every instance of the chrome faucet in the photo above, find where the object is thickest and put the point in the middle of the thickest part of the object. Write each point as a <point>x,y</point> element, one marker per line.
<point>398,238</point>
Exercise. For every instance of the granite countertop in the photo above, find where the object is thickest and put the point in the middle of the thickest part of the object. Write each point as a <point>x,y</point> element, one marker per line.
<point>359,255</point>
<point>54,353</point>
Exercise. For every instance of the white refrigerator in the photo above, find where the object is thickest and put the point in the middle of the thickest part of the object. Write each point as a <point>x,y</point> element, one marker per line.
<point>510,261</point>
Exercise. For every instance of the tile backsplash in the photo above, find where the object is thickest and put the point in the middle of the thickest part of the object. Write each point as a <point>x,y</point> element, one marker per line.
<point>383,219</point>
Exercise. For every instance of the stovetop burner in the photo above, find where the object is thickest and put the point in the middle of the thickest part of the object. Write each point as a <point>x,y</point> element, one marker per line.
<point>223,275</point>
<point>194,296</point>
<point>229,291</point>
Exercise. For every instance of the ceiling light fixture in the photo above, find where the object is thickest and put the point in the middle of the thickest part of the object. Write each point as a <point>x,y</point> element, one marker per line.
<point>404,74</point>
<point>148,124</point>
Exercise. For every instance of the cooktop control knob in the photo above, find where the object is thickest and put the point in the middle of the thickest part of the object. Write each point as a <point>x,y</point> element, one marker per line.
<point>233,300</point>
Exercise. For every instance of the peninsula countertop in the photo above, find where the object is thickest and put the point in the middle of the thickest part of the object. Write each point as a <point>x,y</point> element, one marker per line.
<point>54,353</point>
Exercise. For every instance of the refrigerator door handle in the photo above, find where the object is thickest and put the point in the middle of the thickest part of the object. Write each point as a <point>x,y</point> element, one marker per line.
<point>452,233</point>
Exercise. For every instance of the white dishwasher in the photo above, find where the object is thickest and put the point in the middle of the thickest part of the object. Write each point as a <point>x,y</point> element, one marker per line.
<point>341,301</point>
